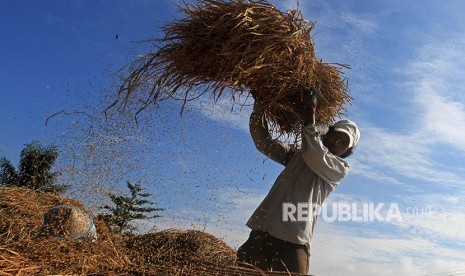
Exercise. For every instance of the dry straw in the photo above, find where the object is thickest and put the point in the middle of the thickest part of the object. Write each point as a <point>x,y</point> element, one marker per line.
<point>178,248</point>
<point>171,252</point>
<point>236,46</point>
<point>21,220</point>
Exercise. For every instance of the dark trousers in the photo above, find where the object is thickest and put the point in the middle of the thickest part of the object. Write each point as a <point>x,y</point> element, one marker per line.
<point>272,254</point>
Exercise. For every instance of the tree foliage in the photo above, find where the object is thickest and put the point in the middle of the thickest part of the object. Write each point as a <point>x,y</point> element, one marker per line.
<point>8,174</point>
<point>34,170</point>
<point>128,208</point>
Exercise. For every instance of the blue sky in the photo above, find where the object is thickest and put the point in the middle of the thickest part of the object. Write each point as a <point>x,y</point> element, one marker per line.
<point>407,60</point>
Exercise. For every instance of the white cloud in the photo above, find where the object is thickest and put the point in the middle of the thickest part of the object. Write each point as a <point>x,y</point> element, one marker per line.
<point>436,226</point>
<point>370,173</point>
<point>363,25</point>
<point>443,118</point>
<point>387,154</point>
<point>224,112</point>
<point>340,252</point>
<point>440,93</point>
<point>434,216</point>
<point>434,79</point>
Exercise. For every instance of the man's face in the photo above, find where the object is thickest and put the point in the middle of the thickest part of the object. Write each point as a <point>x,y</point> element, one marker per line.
<point>337,142</point>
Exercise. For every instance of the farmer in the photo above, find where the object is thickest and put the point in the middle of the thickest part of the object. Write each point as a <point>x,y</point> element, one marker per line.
<point>280,237</point>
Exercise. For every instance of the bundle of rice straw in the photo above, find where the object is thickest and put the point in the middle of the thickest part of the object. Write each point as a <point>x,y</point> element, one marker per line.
<point>11,263</point>
<point>178,248</point>
<point>21,220</point>
<point>238,45</point>
<point>170,252</point>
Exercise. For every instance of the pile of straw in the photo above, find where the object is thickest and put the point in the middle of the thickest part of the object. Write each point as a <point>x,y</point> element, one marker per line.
<point>170,252</point>
<point>205,270</point>
<point>239,45</point>
<point>11,263</point>
<point>21,219</point>
<point>179,248</point>
<point>191,252</point>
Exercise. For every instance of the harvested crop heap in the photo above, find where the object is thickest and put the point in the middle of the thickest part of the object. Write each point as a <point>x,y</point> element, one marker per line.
<point>180,248</point>
<point>170,252</point>
<point>21,219</point>
<point>237,46</point>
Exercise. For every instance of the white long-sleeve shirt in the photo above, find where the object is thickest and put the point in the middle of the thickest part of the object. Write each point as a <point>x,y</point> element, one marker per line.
<point>311,173</point>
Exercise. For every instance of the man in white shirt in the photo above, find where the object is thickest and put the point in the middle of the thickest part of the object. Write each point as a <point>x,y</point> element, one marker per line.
<point>280,241</point>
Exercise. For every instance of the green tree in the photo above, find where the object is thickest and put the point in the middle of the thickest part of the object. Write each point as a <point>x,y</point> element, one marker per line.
<point>128,208</point>
<point>34,172</point>
<point>8,174</point>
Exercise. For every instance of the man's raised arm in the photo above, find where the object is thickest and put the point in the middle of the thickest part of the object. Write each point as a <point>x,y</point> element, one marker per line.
<point>273,148</point>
